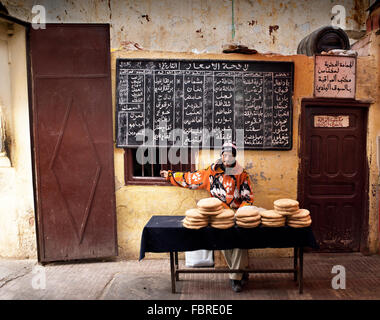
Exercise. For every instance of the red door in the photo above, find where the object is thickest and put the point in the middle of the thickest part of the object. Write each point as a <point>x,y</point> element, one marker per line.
<point>73,142</point>
<point>333,177</point>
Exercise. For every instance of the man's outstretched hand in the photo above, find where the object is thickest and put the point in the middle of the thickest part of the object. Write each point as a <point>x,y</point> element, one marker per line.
<point>164,174</point>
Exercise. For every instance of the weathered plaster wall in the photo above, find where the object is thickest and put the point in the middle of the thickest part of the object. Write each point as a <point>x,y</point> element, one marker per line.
<point>368,89</point>
<point>5,93</point>
<point>375,173</point>
<point>163,29</point>
<point>17,236</point>
<point>200,25</point>
<point>20,148</point>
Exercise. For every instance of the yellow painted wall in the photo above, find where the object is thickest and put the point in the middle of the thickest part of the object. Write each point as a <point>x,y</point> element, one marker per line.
<point>273,173</point>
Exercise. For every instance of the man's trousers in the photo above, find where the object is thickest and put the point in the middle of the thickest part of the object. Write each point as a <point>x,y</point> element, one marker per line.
<point>236,259</point>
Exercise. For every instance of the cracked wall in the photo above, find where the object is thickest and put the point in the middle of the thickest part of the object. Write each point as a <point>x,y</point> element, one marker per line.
<point>200,25</point>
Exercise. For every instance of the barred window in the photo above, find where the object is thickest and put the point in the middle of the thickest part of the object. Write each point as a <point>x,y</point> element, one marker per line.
<point>143,168</point>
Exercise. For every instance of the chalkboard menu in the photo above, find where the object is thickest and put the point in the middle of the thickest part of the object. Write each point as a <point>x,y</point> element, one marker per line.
<point>203,103</point>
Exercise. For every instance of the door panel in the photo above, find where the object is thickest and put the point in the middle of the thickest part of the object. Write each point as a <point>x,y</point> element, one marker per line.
<point>73,142</point>
<point>333,175</point>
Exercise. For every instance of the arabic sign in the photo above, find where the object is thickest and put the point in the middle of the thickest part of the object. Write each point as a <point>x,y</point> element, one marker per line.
<point>203,103</point>
<point>331,121</point>
<point>335,76</point>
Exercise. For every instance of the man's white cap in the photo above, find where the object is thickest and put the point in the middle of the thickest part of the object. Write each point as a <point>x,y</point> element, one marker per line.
<point>228,146</point>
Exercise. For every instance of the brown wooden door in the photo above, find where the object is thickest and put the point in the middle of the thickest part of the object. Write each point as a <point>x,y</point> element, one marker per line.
<point>333,174</point>
<point>73,142</point>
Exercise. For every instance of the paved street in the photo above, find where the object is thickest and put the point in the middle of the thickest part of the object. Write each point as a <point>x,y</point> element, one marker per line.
<point>150,279</point>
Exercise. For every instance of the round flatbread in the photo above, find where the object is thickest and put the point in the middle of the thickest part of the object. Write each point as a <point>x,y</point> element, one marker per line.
<point>286,213</point>
<point>292,209</point>
<point>194,213</point>
<point>270,214</point>
<point>271,221</point>
<point>305,219</point>
<point>301,223</point>
<point>210,213</point>
<point>308,223</point>
<point>222,226</point>
<point>191,226</point>
<point>222,221</point>
<point>247,211</point>
<point>194,220</point>
<point>286,203</point>
<point>301,213</point>
<point>280,220</point>
<point>248,219</point>
<point>273,224</point>
<point>211,209</point>
<point>225,214</point>
<point>209,203</point>
<point>248,225</point>
<point>298,225</point>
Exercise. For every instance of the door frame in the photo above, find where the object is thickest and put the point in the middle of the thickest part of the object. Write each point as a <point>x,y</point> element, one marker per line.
<point>337,103</point>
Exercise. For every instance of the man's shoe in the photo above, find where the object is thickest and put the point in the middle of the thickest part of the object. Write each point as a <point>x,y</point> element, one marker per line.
<point>245,278</point>
<point>236,285</point>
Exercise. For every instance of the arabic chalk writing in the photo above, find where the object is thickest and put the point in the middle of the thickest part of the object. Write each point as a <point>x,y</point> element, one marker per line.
<point>209,101</point>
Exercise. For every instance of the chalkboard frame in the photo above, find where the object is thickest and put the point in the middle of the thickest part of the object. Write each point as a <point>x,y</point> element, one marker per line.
<point>261,63</point>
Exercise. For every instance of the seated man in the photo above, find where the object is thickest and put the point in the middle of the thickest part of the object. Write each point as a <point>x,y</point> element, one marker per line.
<point>226,180</point>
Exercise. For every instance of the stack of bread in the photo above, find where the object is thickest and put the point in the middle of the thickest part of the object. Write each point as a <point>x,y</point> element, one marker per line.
<point>270,218</point>
<point>295,217</point>
<point>223,220</point>
<point>286,207</point>
<point>299,220</point>
<point>210,206</point>
<point>200,217</point>
<point>195,220</point>
<point>248,217</point>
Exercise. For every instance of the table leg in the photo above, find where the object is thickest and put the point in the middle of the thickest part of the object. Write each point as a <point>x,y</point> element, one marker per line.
<point>301,270</point>
<point>295,262</point>
<point>172,271</point>
<point>176,265</point>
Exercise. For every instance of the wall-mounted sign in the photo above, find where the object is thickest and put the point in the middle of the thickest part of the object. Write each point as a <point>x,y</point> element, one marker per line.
<point>334,76</point>
<point>331,121</point>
